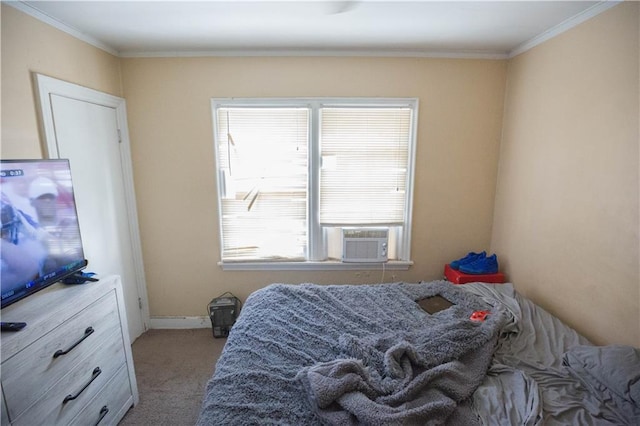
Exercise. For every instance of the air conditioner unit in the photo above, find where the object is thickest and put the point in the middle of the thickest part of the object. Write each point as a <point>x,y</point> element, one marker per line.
<point>365,244</point>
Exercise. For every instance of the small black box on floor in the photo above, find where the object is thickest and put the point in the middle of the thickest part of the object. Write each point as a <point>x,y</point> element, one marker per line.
<point>223,312</point>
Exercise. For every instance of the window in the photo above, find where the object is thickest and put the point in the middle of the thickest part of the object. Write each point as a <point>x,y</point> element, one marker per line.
<point>293,172</point>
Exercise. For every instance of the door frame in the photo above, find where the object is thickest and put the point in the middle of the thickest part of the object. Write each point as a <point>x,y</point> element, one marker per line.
<point>47,86</point>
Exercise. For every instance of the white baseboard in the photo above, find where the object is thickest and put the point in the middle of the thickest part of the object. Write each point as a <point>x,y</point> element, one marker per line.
<point>179,322</point>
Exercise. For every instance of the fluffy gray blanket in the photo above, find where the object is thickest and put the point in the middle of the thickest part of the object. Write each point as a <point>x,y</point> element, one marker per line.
<point>309,354</point>
<point>408,377</point>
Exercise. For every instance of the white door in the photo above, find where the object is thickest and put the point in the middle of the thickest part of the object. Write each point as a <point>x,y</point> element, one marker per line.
<point>88,131</point>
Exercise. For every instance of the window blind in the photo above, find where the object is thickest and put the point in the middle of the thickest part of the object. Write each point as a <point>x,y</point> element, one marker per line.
<point>262,163</point>
<point>365,154</point>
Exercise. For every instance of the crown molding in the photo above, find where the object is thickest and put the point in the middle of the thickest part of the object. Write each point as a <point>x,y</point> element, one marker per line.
<point>311,53</point>
<point>564,26</point>
<point>41,16</point>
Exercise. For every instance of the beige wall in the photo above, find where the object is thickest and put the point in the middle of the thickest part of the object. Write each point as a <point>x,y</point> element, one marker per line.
<point>29,45</point>
<point>566,211</point>
<point>168,101</point>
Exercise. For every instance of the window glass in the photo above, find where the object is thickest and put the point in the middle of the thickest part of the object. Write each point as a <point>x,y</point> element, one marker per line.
<point>262,164</point>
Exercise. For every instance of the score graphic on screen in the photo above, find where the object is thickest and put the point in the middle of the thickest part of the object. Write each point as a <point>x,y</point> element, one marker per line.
<point>11,173</point>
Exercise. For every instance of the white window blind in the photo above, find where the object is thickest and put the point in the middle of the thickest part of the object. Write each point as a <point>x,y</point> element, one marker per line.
<point>262,165</point>
<point>363,179</point>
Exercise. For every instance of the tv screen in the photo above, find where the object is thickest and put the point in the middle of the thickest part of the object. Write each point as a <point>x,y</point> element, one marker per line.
<point>41,241</point>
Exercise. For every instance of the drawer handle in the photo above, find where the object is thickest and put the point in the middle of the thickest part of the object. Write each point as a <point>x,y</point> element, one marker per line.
<point>94,375</point>
<point>88,332</point>
<point>103,412</point>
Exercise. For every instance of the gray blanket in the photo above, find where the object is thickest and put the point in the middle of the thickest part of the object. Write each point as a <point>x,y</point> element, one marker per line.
<point>310,354</point>
<point>409,377</point>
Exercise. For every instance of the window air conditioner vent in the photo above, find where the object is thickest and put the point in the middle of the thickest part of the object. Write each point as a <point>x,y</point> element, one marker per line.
<point>365,244</point>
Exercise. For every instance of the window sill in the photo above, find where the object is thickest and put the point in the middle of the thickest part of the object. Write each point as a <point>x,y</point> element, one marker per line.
<point>392,265</point>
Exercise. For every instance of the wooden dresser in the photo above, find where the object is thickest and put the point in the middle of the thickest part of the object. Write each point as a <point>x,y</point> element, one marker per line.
<point>72,363</point>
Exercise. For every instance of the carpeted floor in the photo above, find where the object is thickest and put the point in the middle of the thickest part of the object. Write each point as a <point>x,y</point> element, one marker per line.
<point>172,370</point>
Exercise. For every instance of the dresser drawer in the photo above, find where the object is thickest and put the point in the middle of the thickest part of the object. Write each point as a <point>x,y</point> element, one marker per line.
<point>33,371</point>
<point>105,407</point>
<point>78,387</point>
<point>92,367</point>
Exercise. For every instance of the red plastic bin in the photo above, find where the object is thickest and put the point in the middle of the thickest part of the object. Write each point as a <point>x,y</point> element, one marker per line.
<point>457,277</point>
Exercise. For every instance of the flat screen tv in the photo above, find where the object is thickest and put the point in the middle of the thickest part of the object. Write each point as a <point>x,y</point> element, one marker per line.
<point>41,241</point>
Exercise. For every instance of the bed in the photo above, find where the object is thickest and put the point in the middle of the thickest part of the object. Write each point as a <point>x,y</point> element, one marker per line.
<point>414,353</point>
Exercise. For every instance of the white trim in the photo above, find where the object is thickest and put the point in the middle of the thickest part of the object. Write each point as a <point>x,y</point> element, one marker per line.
<point>320,101</point>
<point>320,53</point>
<point>564,26</point>
<point>49,20</point>
<point>179,323</point>
<point>317,249</point>
<point>132,210</point>
<point>47,86</point>
<point>407,229</point>
<point>329,265</point>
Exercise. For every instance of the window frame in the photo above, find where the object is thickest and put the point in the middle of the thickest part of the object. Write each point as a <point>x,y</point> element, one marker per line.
<point>317,246</point>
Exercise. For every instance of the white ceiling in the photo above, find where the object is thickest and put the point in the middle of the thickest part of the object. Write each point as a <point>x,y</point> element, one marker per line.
<point>365,27</point>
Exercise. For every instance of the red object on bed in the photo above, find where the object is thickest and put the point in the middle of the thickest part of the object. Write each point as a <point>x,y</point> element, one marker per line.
<point>457,277</point>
